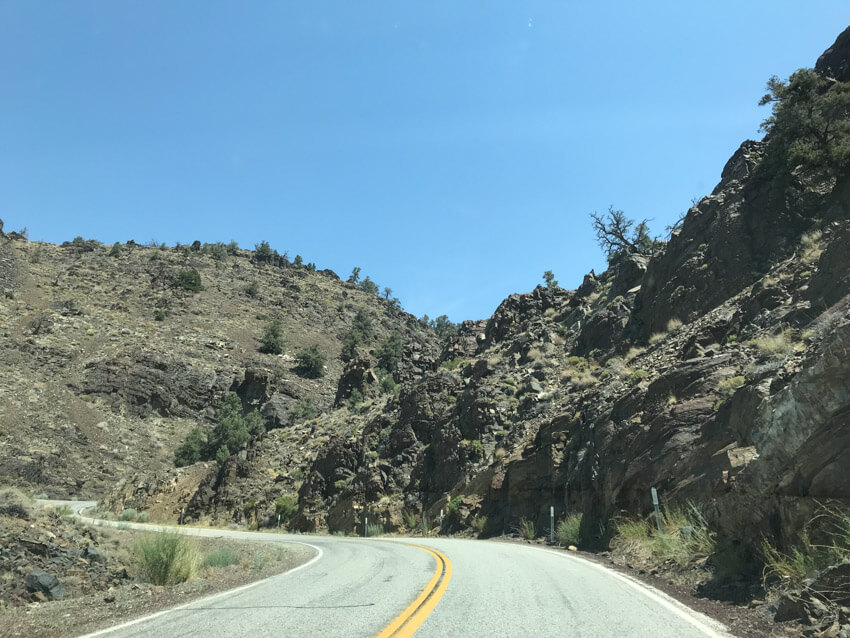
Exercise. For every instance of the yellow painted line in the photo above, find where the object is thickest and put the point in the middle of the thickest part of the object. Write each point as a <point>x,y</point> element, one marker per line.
<point>408,621</point>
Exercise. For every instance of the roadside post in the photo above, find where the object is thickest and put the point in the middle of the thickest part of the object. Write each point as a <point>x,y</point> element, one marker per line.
<point>366,527</point>
<point>657,510</point>
<point>278,521</point>
<point>182,514</point>
<point>551,524</point>
<point>441,520</point>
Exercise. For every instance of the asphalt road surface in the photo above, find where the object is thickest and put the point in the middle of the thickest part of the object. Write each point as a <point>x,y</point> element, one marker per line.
<point>431,587</point>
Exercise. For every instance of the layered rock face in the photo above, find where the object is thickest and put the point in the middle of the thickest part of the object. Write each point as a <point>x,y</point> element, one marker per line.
<point>715,371</point>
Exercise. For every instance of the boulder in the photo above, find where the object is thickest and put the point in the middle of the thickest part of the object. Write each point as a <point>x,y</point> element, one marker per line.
<point>39,580</point>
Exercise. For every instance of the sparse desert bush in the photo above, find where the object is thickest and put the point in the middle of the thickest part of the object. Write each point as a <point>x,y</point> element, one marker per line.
<point>637,376</point>
<point>657,337</point>
<point>159,314</point>
<point>128,514</point>
<point>479,523</point>
<point>221,558</point>
<point>778,345</point>
<point>634,352</point>
<point>567,531</point>
<point>143,517</point>
<point>167,558</point>
<point>252,289</point>
<point>727,387</point>
<point>189,279</point>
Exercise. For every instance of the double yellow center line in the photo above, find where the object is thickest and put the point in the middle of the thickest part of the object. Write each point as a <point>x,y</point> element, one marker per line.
<point>406,623</point>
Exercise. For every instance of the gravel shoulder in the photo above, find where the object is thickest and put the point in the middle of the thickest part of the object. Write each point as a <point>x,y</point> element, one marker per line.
<point>88,613</point>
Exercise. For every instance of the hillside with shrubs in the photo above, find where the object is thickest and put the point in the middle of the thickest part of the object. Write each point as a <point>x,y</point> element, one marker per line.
<point>709,364</point>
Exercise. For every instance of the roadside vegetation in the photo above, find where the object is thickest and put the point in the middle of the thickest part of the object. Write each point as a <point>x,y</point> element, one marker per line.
<point>684,538</point>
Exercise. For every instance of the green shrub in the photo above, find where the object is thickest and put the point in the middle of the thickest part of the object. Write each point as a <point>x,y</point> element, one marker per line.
<point>476,448</point>
<point>271,341</point>
<point>361,332</point>
<point>302,411</point>
<point>374,529</point>
<point>159,314</point>
<point>388,385</point>
<point>167,558</point>
<point>143,517</point>
<point>311,362</point>
<point>568,530</point>
<point>637,376</point>
<point>230,434</point>
<point>390,352</point>
<point>221,558</point>
<point>115,251</point>
<point>454,504</point>
<point>128,514</point>
<point>252,289</point>
<point>189,279</point>
<point>355,399</point>
<point>263,252</point>
<point>285,507</point>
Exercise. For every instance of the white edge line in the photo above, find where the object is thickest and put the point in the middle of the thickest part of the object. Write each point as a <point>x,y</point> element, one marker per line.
<point>212,597</point>
<point>709,626</point>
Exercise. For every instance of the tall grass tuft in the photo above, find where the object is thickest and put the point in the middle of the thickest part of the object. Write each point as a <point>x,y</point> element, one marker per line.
<point>525,528</point>
<point>832,528</point>
<point>168,558</point>
<point>685,537</point>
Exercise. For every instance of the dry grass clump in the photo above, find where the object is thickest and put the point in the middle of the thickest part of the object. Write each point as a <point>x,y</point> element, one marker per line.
<point>525,528</point>
<point>674,324</point>
<point>167,558</point>
<point>684,539</point>
<point>774,345</point>
<point>810,246</point>
<point>832,528</point>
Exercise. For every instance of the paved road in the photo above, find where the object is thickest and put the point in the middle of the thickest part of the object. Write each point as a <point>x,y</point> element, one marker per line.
<point>358,587</point>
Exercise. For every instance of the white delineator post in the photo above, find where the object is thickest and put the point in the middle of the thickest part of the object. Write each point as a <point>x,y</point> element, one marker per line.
<point>366,527</point>
<point>551,524</point>
<point>657,510</point>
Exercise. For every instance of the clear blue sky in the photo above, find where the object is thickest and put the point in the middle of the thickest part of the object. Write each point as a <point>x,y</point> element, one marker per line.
<point>451,149</point>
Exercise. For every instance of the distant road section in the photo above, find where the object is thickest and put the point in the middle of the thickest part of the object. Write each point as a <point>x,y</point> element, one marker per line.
<point>429,587</point>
